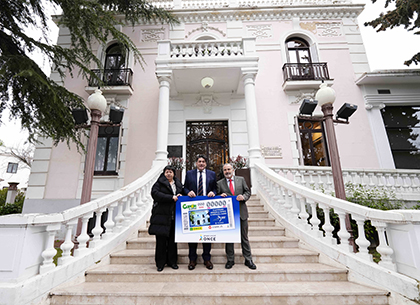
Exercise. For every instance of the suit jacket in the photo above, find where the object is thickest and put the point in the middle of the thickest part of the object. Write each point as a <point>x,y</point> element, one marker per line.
<point>240,189</point>
<point>190,183</point>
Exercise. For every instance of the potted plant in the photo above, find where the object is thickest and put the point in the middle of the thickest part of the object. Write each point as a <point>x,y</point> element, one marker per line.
<point>241,167</point>
<point>178,164</point>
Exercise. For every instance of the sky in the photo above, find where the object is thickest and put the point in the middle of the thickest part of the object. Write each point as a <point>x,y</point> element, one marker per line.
<point>385,50</point>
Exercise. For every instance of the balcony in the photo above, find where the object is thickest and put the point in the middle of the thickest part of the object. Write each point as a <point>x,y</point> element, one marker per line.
<point>305,76</point>
<point>116,81</point>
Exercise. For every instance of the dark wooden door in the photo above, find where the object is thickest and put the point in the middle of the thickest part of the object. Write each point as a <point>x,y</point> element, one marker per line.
<point>210,139</point>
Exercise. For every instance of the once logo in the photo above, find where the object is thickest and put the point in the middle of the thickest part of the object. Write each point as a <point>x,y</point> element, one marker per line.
<point>209,238</point>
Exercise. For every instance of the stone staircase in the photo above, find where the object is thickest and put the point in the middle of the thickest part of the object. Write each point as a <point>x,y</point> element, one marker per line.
<point>286,274</point>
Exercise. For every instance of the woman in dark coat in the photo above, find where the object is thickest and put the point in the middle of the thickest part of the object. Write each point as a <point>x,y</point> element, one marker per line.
<point>165,193</point>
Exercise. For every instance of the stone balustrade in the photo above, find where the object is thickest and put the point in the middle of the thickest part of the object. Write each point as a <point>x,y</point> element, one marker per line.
<point>204,4</point>
<point>296,206</point>
<point>209,48</point>
<point>27,261</point>
<point>404,183</point>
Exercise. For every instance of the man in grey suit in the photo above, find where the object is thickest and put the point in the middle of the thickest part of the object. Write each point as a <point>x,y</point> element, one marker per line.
<point>236,186</point>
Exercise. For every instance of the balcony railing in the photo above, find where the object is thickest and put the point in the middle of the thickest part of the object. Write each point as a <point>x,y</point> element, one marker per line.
<point>112,77</point>
<point>308,71</point>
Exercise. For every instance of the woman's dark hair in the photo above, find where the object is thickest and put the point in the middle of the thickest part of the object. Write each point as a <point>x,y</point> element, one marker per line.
<point>169,167</point>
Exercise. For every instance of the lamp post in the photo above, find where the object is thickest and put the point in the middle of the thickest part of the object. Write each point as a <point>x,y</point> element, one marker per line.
<point>326,97</point>
<point>97,105</point>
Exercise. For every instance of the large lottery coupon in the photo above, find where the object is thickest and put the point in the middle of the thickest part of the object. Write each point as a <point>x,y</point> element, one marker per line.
<point>203,219</point>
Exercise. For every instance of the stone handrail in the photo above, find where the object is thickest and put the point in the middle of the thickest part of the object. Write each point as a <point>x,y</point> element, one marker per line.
<point>28,259</point>
<point>398,230</point>
<point>403,182</point>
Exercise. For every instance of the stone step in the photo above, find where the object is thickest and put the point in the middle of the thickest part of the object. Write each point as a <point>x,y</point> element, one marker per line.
<point>239,273</point>
<point>258,208</point>
<point>255,241</point>
<point>241,293</point>
<point>253,231</point>
<point>218,256</point>
<point>261,222</point>
<point>258,214</point>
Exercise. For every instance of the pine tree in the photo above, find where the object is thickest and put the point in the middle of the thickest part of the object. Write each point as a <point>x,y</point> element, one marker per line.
<point>406,13</point>
<point>42,105</point>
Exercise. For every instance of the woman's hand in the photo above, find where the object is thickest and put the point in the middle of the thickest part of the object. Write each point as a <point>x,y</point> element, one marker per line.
<point>175,198</point>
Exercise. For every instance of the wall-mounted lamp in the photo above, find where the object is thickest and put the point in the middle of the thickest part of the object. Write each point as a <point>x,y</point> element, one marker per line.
<point>207,82</point>
<point>116,115</point>
<point>346,111</point>
<point>80,116</point>
<point>307,107</point>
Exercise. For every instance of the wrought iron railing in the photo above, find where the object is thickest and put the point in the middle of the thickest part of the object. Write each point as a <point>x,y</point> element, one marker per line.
<point>112,77</point>
<point>308,71</point>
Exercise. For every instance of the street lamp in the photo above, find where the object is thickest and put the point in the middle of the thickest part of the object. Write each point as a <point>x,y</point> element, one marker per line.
<point>97,105</point>
<point>326,98</point>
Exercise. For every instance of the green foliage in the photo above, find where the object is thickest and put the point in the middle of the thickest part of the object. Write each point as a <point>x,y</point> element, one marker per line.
<point>372,197</point>
<point>406,13</point>
<point>15,208</point>
<point>43,106</point>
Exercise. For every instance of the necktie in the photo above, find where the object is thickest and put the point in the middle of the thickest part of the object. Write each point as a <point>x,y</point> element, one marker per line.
<point>200,184</point>
<point>231,187</point>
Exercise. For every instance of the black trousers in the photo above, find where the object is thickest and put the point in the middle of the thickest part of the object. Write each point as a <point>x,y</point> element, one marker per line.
<point>192,255</point>
<point>166,249</point>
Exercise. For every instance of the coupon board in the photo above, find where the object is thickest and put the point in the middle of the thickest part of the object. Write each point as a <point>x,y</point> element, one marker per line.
<point>207,220</point>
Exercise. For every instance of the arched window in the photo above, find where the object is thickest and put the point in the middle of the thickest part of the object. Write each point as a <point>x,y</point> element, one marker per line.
<point>298,51</point>
<point>115,57</point>
<point>115,73</point>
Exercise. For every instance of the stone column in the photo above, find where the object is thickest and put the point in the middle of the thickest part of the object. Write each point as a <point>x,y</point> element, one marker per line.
<point>251,116</point>
<point>11,192</point>
<point>163,118</point>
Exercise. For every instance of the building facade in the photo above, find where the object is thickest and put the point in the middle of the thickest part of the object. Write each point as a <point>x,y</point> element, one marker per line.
<point>228,80</point>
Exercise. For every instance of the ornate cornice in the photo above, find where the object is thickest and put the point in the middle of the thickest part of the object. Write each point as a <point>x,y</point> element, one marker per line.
<point>268,13</point>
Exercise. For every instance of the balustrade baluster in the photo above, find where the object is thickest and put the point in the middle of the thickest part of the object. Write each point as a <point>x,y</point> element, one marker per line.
<point>354,178</point>
<point>281,200</point>
<point>49,251</point>
<point>371,184</point>
<point>388,181</point>
<point>149,189</point>
<point>314,219</point>
<point>119,219</point>
<point>68,244</point>
<point>294,175</point>
<point>328,227</point>
<point>127,211</point>
<point>133,206</point>
<point>288,204</point>
<point>97,230</point>
<point>140,206</point>
<point>405,186</point>
<point>303,213</point>
<point>320,182</point>
<point>294,210</point>
<point>302,177</point>
<point>83,238</point>
<point>397,184</point>
<point>329,187</point>
<point>311,179</point>
<point>361,240</point>
<point>343,234</point>
<point>384,249</point>
<point>110,224</point>
<point>379,177</point>
<point>415,187</point>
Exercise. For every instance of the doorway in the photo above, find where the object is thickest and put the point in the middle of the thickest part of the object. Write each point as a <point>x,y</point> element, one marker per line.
<point>210,139</point>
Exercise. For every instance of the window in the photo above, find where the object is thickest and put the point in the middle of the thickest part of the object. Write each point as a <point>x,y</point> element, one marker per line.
<point>402,125</point>
<point>106,160</point>
<point>314,148</point>
<point>12,168</point>
<point>298,51</point>
<point>115,72</point>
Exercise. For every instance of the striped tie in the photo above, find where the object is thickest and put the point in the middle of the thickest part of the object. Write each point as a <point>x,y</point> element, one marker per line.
<point>200,184</point>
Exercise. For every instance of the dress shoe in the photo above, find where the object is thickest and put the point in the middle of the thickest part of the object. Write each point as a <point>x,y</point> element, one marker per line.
<point>159,269</point>
<point>229,264</point>
<point>191,265</point>
<point>208,265</point>
<point>174,266</point>
<point>250,265</point>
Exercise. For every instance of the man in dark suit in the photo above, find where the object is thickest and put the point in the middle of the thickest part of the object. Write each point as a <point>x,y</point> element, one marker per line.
<point>200,182</point>
<point>236,186</point>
